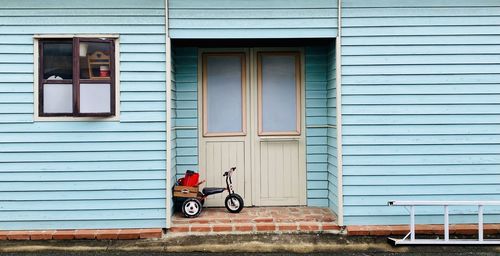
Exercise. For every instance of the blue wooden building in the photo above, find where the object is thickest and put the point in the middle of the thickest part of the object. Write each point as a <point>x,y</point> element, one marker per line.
<point>347,105</point>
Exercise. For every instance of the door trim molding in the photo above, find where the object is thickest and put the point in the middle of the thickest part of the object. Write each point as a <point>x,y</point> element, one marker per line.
<point>168,121</point>
<point>338,106</point>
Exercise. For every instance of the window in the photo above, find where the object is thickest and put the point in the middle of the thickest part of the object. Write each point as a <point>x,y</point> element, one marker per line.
<point>76,77</point>
<point>224,94</point>
<point>278,78</point>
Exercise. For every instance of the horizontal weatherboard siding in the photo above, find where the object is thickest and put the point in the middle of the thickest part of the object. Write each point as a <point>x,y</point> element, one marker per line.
<point>333,197</point>
<point>186,112</point>
<point>69,175</point>
<point>316,65</point>
<point>420,102</point>
<point>252,19</point>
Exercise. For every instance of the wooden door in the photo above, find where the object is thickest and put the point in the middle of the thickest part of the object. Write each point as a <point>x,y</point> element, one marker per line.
<point>224,140</point>
<point>279,171</point>
<point>252,117</point>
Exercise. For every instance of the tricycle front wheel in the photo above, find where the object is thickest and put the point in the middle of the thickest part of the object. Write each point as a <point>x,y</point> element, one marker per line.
<point>234,203</point>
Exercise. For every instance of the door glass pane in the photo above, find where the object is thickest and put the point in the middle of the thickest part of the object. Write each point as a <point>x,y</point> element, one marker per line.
<point>95,60</point>
<point>57,98</point>
<point>57,60</point>
<point>278,93</point>
<point>223,93</point>
<point>95,98</point>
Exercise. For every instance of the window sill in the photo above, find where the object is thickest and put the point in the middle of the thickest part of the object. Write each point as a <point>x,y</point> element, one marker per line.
<point>76,119</point>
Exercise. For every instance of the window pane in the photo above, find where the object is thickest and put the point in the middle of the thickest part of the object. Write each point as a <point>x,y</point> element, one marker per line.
<point>95,98</point>
<point>57,60</point>
<point>224,106</point>
<point>57,98</point>
<point>279,94</point>
<point>95,60</point>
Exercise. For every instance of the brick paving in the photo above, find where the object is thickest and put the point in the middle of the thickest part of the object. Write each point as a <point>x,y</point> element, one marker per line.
<point>256,220</point>
<point>456,229</point>
<point>88,234</point>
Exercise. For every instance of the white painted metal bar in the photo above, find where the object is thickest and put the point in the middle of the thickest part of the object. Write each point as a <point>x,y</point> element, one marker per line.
<point>412,223</point>
<point>442,242</point>
<point>480,222</point>
<point>441,203</point>
<point>446,223</point>
<point>446,240</point>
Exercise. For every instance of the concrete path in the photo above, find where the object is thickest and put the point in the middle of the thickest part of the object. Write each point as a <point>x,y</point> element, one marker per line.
<point>243,254</point>
<point>226,245</point>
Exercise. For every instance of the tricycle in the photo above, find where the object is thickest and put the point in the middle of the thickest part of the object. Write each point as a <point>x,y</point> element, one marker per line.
<point>193,199</point>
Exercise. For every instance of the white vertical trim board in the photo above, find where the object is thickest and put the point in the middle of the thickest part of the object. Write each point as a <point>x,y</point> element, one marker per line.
<point>168,128</point>
<point>338,95</point>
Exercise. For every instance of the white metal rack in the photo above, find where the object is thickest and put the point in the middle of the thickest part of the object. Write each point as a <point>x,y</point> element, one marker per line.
<point>446,241</point>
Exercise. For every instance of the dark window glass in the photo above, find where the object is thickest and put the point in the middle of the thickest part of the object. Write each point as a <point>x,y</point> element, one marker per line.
<point>58,60</point>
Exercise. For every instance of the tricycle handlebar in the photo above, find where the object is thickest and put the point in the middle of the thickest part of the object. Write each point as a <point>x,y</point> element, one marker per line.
<point>230,171</point>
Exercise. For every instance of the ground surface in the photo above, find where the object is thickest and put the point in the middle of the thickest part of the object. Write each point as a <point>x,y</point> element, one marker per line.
<point>244,254</point>
<point>243,244</point>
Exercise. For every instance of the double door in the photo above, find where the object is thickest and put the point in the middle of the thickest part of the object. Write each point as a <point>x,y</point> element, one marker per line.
<point>251,115</point>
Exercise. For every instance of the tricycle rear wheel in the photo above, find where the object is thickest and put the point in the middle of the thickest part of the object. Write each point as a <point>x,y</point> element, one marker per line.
<point>234,203</point>
<point>191,208</point>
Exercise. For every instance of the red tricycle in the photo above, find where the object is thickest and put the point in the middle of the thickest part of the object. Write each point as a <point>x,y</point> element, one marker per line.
<point>187,191</point>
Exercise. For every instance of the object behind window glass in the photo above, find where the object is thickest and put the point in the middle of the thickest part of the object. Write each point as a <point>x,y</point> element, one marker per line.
<point>58,60</point>
<point>95,60</point>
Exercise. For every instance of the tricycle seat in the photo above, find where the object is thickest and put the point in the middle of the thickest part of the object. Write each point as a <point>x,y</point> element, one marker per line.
<point>211,191</point>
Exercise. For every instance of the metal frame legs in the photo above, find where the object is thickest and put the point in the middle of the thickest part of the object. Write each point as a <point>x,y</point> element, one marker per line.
<point>446,240</point>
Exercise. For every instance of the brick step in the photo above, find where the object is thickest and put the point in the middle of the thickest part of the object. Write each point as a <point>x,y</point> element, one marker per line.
<point>256,227</point>
<point>260,214</point>
<point>258,219</point>
<point>181,221</point>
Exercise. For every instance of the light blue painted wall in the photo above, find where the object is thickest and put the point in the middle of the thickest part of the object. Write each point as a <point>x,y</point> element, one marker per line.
<point>253,19</point>
<point>57,175</point>
<point>316,69</point>
<point>186,121</point>
<point>332,130</point>
<point>421,116</point>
